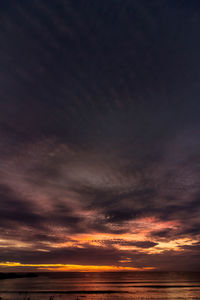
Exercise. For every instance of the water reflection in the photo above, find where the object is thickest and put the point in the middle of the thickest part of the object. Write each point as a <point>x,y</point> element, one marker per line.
<point>126,285</point>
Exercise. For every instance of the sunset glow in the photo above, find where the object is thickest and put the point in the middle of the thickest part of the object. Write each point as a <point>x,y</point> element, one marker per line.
<point>73,268</point>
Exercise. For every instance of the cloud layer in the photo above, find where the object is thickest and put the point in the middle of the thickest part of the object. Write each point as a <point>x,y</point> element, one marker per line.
<point>99,160</point>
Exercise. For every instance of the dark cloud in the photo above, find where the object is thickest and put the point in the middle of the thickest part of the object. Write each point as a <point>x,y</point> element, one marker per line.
<point>145,244</point>
<point>166,233</point>
<point>15,209</point>
<point>191,248</point>
<point>138,244</point>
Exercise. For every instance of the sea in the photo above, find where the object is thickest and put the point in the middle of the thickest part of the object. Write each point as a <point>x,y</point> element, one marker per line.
<point>103,286</point>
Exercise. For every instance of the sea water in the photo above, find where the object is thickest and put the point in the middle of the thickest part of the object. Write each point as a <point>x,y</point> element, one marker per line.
<point>103,286</point>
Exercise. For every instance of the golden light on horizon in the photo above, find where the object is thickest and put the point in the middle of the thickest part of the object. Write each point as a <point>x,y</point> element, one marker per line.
<point>73,268</point>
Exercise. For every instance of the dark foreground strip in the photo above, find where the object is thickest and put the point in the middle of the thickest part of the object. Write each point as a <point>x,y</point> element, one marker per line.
<point>164,286</point>
<point>63,292</point>
<point>100,292</point>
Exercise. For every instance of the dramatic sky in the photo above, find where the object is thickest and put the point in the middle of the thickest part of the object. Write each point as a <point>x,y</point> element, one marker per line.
<point>99,135</point>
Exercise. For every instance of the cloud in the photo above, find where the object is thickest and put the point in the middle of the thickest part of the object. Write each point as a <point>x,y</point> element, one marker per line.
<point>99,137</point>
<point>129,243</point>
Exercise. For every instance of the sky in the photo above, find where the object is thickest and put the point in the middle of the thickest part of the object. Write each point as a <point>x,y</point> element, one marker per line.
<point>99,135</point>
